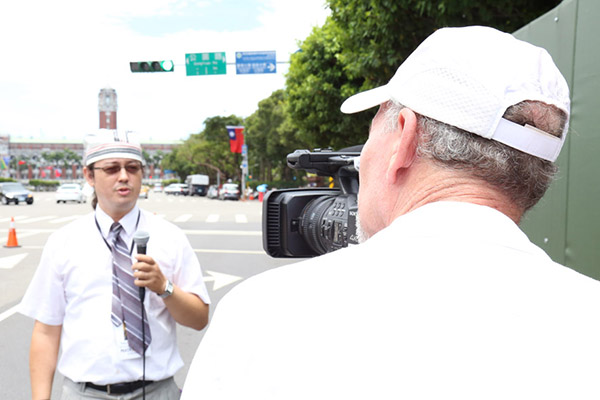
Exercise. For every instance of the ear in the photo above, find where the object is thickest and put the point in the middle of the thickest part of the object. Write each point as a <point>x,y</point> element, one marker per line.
<point>89,175</point>
<point>404,144</point>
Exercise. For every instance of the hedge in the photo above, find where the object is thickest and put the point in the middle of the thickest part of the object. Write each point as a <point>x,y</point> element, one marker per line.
<point>43,185</point>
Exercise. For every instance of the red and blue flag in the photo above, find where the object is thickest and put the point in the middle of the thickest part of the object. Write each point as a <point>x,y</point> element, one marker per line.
<point>236,138</point>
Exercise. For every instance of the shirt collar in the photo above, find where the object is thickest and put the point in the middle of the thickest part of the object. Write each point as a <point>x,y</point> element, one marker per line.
<point>128,222</point>
<point>462,219</point>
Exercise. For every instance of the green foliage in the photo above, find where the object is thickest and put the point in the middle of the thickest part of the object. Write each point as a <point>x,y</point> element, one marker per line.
<point>42,184</point>
<point>65,157</point>
<point>146,157</point>
<point>7,180</point>
<point>270,138</point>
<point>317,84</point>
<point>177,163</point>
<point>268,134</point>
<point>362,44</point>
<point>359,47</point>
<point>156,159</point>
<point>207,152</point>
<point>377,35</point>
<point>167,182</point>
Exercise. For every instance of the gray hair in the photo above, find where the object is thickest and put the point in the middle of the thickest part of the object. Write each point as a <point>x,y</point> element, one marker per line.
<point>522,177</point>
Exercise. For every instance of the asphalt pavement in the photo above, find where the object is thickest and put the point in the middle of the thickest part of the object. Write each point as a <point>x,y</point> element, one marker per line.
<point>226,236</point>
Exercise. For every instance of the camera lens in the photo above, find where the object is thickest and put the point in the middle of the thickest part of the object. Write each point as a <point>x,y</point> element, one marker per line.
<point>313,221</point>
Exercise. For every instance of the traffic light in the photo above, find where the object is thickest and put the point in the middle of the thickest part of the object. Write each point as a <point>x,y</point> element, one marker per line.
<point>152,66</point>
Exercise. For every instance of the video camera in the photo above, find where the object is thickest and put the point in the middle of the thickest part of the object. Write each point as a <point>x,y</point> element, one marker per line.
<point>313,221</point>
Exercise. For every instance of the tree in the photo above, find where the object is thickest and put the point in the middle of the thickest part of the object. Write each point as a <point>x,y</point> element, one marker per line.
<point>54,158</point>
<point>69,158</point>
<point>18,164</point>
<point>214,146</point>
<point>207,152</point>
<point>270,138</point>
<point>173,161</point>
<point>316,86</point>
<point>146,156</point>
<point>377,35</point>
<point>156,159</point>
<point>362,44</point>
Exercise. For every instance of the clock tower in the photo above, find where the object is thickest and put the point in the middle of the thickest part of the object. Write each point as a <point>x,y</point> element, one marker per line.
<point>107,106</point>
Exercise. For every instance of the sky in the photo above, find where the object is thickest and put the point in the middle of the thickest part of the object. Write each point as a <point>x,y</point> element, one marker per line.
<point>56,56</point>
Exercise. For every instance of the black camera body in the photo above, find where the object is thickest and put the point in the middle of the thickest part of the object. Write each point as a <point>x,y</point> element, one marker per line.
<point>301,223</point>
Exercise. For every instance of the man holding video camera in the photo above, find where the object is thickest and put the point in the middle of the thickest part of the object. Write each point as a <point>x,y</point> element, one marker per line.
<point>446,297</point>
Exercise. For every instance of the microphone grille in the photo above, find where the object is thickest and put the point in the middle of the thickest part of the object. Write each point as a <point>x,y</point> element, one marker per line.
<point>141,238</point>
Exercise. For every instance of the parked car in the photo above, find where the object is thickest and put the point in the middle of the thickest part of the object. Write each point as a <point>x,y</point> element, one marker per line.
<point>15,192</point>
<point>177,189</point>
<point>158,188</point>
<point>70,192</point>
<point>212,192</point>
<point>144,191</point>
<point>230,191</point>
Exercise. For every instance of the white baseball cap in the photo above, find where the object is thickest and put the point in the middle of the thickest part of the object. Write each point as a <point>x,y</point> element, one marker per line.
<point>109,143</point>
<point>467,77</point>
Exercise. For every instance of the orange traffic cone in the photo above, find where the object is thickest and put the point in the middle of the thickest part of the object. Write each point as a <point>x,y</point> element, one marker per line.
<point>12,235</point>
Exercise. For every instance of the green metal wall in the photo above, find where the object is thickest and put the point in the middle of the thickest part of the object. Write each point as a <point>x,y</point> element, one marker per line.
<point>566,223</point>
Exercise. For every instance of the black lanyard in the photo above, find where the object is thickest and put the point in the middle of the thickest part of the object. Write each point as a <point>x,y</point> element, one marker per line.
<point>106,242</point>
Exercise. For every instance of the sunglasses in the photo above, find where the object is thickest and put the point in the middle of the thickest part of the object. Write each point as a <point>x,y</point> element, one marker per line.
<point>115,169</point>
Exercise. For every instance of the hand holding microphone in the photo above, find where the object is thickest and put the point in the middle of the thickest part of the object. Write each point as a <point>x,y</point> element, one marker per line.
<point>153,277</point>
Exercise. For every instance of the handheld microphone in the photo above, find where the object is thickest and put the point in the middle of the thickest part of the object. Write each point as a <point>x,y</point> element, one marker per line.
<point>140,239</point>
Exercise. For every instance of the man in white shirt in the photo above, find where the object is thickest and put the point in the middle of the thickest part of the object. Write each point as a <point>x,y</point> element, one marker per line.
<point>445,297</point>
<point>78,302</point>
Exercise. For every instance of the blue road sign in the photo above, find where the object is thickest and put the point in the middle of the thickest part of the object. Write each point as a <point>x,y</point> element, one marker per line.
<point>255,62</point>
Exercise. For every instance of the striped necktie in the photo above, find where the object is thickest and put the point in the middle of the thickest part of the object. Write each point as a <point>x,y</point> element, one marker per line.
<point>126,303</point>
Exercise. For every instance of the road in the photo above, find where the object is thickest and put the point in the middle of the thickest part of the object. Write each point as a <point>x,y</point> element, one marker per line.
<point>226,236</point>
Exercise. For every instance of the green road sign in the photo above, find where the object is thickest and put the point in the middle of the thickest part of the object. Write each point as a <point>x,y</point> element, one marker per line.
<point>205,64</point>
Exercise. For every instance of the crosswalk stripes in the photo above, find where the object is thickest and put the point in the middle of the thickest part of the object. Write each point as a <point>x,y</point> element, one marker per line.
<point>64,219</point>
<point>212,218</point>
<point>17,218</point>
<point>183,218</point>
<point>36,219</point>
<point>7,219</point>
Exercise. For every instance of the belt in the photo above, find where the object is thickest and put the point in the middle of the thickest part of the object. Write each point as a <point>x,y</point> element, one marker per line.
<point>118,388</point>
